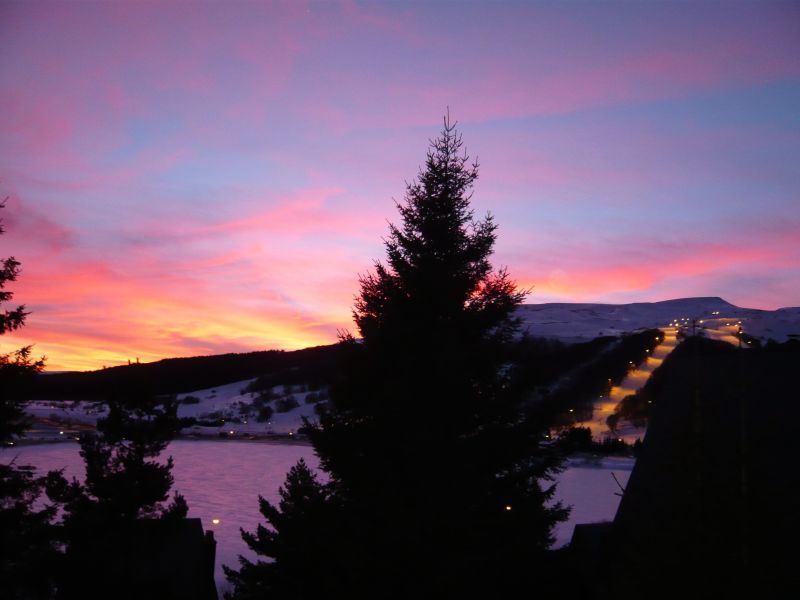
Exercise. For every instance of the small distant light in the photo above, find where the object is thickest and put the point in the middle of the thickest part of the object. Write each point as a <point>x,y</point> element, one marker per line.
<point>508,507</point>
<point>291,433</point>
<point>619,439</point>
<point>60,433</point>
<point>570,410</point>
<point>215,521</point>
<point>231,432</point>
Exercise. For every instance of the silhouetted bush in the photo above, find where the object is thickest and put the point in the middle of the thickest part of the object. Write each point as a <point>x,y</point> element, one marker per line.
<point>286,404</point>
<point>264,414</point>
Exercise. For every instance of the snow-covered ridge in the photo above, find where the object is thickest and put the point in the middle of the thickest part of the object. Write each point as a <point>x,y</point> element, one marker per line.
<point>573,322</point>
<point>227,410</point>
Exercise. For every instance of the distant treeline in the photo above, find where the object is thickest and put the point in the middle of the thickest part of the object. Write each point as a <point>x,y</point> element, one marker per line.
<point>542,361</point>
<point>536,363</point>
<point>595,377</point>
<point>180,375</point>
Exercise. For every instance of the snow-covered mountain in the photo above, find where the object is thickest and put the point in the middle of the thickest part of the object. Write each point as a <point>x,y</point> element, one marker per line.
<point>229,411</point>
<point>580,322</point>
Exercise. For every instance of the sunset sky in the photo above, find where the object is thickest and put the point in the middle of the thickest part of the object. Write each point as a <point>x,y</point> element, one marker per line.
<point>192,178</point>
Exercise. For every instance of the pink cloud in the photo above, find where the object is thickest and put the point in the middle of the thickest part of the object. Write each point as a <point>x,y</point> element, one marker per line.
<point>132,138</point>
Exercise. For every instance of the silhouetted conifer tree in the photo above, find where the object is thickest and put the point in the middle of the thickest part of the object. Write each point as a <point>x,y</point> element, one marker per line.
<point>122,509</point>
<point>28,552</point>
<point>435,470</point>
<point>16,368</point>
<point>302,558</point>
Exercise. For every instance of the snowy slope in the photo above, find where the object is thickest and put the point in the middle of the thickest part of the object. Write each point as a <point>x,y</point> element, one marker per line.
<point>223,403</point>
<point>564,321</point>
<point>581,322</point>
<point>219,408</point>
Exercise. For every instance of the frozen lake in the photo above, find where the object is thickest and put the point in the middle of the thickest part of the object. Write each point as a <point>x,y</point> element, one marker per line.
<point>222,480</point>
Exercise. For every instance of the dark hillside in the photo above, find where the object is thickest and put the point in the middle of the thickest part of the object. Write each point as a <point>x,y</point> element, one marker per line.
<point>178,375</point>
<point>712,502</point>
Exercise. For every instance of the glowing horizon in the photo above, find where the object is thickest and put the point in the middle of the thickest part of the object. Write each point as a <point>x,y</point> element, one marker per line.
<point>188,179</point>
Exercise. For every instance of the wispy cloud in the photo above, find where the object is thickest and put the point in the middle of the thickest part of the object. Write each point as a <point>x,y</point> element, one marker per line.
<point>196,178</point>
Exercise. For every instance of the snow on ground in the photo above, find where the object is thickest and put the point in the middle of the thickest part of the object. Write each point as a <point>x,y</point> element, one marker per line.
<point>714,317</point>
<point>222,481</point>
<point>589,486</point>
<point>605,405</point>
<point>58,419</point>
<point>567,322</point>
<point>222,403</point>
<point>582,322</point>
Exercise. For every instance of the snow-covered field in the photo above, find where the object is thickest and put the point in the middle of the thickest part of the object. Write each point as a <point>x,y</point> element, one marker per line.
<point>591,486</point>
<point>222,480</point>
<point>222,403</point>
<point>220,408</point>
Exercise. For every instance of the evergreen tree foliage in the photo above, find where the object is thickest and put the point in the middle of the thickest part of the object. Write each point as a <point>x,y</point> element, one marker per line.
<point>302,560</point>
<point>28,552</point>
<point>451,500</point>
<point>123,506</point>
<point>16,368</point>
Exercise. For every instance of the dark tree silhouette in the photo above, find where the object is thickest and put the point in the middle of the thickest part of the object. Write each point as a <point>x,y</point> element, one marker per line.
<point>16,368</point>
<point>27,547</point>
<point>449,500</point>
<point>120,511</point>
<point>293,540</point>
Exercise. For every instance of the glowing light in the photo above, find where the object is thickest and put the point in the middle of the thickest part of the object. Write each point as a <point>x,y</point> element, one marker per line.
<point>508,507</point>
<point>60,433</point>
<point>215,521</point>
